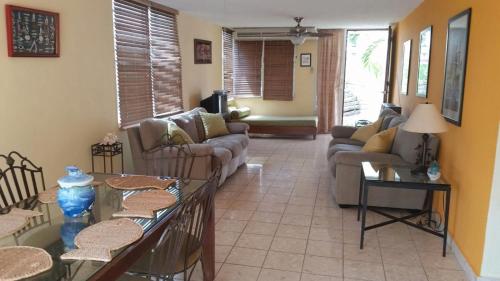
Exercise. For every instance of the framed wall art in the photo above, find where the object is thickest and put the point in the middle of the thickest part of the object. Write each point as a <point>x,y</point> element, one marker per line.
<point>405,72</point>
<point>31,32</point>
<point>424,62</point>
<point>202,51</point>
<point>305,60</point>
<point>457,44</point>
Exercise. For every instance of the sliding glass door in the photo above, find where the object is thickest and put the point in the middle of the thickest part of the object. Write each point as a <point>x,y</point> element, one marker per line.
<point>366,67</point>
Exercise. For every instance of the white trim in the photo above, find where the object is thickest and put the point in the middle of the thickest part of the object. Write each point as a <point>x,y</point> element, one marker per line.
<point>471,275</point>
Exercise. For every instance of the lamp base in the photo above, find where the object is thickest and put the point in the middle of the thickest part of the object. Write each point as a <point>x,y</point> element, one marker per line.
<point>419,171</point>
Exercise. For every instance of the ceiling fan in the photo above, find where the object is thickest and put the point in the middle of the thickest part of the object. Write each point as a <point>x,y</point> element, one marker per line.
<point>296,34</point>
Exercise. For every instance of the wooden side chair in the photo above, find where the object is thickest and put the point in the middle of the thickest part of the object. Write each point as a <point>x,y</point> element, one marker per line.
<point>19,179</point>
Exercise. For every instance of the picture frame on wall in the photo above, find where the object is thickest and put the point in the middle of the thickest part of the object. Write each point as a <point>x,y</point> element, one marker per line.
<point>457,44</point>
<point>305,60</point>
<point>32,32</point>
<point>202,51</point>
<point>405,71</point>
<point>424,62</point>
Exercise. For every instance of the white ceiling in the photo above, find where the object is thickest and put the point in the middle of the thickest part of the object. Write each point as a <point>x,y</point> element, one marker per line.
<point>277,13</point>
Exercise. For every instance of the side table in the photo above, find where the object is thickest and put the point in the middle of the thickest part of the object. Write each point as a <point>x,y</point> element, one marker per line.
<point>387,176</point>
<point>107,151</point>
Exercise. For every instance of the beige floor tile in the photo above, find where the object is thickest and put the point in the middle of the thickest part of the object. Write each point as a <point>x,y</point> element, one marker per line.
<point>312,277</point>
<point>266,217</point>
<point>320,211</point>
<point>293,231</point>
<point>436,274</point>
<point>254,241</point>
<point>328,222</point>
<point>251,196</point>
<point>244,205</point>
<point>226,238</point>
<point>364,270</point>
<point>237,215</point>
<point>231,272</point>
<point>246,256</point>
<point>436,260</point>
<point>404,273</point>
<point>272,207</point>
<point>222,203</point>
<point>323,266</point>
<point>399,256</point>
<point>304,201</point>
<point>289,245</point>
<point>299,210</point>
<point>295,219</point>
<point>228,195</point>
<point>326,234</point>
<point>325,249</point>
<point>273,198</point>
<point>221,252</point>
<point>263,228</point>
<point>278,275</point>
<point>280,190</point>
<point>368,254</point>
<point>230,225</point>
<point>219,213</point>
<point>284,261</point>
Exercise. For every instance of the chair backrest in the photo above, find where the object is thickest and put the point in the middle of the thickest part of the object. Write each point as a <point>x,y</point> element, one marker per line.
<point>19,179</point>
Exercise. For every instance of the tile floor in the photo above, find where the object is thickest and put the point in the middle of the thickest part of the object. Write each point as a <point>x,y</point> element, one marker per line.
<point>276,220</point>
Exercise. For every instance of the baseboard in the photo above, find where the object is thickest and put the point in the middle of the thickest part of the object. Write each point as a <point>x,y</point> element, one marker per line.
<point>471,275</point>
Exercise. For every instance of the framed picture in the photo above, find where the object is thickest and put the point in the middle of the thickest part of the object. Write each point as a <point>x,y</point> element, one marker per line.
<point>202,51</point>
<point>305,60</point>
<point>457,45</point>
<point>424,62</point>
<point>405,72</point>
<point>32,33</point>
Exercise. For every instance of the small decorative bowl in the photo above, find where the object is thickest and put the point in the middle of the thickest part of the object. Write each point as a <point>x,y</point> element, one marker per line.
<point>434,176</point>
<point>76,195</point>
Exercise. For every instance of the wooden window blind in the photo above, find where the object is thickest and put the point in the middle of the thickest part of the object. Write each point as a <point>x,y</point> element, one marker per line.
<point>247,68</point>
<point>165,62</point>
<point>278,70</point>
<point>227,42</point>
<point>148,62</point>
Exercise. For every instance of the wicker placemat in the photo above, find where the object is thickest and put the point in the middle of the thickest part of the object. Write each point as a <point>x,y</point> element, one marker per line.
<point>22,262</point>
<point>139,182</point>
<point>97,241</point>
<point>15,220</point>
<point>50,195</point>
<point>144,204</point>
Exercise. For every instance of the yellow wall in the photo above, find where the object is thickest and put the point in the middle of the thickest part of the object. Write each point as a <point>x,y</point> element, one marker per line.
<point>53,109</point>
<point>304,100</point>
<point>467,152</point>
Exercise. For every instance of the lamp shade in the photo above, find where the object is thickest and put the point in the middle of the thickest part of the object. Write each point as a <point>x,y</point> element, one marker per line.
<point>426,119</point>
<point>298,40</point>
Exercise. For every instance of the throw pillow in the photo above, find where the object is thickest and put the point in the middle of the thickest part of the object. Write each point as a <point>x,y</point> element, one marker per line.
<point>214,124</point>
<point>177,134</point>
<point>381,142</point>
<point>365,132</point>
<point>151,131</point>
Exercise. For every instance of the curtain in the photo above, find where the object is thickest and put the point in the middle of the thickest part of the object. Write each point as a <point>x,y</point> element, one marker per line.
<point>330,83</point>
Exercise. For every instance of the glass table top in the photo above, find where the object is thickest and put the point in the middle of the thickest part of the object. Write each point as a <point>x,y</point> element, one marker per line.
<point>382,172</point>
<point>55,233</point>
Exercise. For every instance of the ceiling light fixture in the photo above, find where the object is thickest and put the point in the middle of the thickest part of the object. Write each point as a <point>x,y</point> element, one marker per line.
<point>298,40</point>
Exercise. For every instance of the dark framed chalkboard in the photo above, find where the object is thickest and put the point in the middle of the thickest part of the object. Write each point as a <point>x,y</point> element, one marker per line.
<point>32,33</point>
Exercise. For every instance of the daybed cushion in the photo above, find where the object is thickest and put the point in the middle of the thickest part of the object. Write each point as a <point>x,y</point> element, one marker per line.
<point>239,112</point>
<point>287,121</point>
<point>234,142</point>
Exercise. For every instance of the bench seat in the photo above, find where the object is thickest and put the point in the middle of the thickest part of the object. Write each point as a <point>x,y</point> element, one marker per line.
<point>281,125</point>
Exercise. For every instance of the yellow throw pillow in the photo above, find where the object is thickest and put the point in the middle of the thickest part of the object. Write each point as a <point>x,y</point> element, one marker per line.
<point>178,135</point>
<point>381,142</point>
<point>366,132</point>
<point>214,124</point>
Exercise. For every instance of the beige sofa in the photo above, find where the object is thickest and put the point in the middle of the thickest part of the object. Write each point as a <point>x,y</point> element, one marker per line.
<point>229,151</point>
<point>345,157</point>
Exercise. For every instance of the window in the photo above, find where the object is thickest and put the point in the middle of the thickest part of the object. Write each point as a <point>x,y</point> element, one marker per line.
<point>148,62</point>
<point>227,42</point>
<point>261,69</point>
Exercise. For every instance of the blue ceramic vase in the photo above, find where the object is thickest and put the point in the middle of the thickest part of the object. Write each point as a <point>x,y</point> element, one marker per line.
<point>76,195</point>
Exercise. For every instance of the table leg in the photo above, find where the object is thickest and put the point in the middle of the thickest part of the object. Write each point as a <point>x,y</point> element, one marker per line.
<point>361,182</point>
<point>363,217</point>
<point>446,214</point>
<point>429,213</point>
<point>208,258</point>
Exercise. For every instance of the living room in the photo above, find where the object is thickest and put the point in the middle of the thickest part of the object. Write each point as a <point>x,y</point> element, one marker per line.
<point>277,214</point>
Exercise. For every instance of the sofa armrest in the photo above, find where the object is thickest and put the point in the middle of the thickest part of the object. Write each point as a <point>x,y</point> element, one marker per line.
<point>354,158</point>
<point>237,127</point>
<point>343,131</point>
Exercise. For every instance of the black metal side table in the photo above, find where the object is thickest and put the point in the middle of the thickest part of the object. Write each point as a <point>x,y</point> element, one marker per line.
<point>387,176</point>
<point>107,151</point>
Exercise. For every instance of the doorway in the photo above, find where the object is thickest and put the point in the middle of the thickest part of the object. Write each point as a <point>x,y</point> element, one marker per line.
<point>366,60</point>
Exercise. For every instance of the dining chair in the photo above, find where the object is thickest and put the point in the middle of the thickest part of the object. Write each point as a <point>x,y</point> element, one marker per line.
<point>19,179</point>
<point>198,207</point>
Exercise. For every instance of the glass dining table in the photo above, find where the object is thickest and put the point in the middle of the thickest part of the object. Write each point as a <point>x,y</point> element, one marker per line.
<point>55,233</point>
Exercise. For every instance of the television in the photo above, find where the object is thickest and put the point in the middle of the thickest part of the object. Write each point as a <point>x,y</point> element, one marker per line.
<point>216,103</point>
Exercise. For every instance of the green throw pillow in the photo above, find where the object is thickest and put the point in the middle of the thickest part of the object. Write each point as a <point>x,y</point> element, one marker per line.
<point>176,134</point>
<point>214,124</point>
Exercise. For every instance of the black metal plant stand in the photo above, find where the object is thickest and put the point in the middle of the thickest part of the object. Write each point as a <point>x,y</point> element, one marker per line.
<point>107,151</point>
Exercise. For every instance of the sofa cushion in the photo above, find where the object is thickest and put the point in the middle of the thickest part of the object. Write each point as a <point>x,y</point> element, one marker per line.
<point>345,141</point>
<point>396,121</point>
<point>387,121</point>
<point>342,147</point>
<point>235,143</point>
<point>405,143</point>
<point>151,131</point>
<point>188,125</point>
<point>380,142</point>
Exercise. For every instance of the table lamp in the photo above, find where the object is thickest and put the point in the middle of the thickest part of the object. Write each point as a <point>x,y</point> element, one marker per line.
<point>425,119</point>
